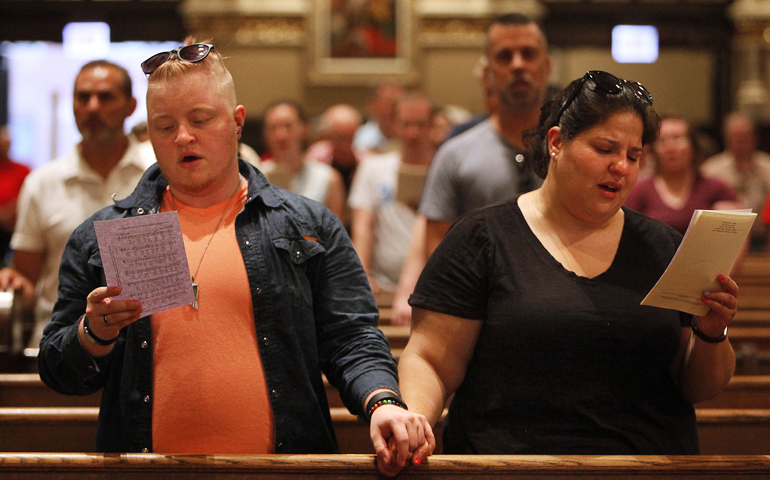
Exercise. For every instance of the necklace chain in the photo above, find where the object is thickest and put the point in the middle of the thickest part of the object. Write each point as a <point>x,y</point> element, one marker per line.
<point>173,203</point>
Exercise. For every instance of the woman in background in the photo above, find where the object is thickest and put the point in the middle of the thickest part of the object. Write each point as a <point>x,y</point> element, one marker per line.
<point>286,164</point>
<point>677,188</point>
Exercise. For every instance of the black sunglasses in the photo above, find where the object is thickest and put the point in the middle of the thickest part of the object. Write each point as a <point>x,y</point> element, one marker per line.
<point>193,53</point>
<point>608,84</point>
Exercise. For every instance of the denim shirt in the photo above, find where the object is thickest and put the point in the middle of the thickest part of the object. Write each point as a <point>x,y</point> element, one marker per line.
<point>313,310</point>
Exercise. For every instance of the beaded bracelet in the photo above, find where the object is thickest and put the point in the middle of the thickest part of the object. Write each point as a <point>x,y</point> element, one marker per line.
<point>383,398</point>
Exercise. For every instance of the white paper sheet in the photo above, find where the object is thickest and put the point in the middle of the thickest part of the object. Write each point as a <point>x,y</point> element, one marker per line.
<point>145,256</point>
<point>709,248</point>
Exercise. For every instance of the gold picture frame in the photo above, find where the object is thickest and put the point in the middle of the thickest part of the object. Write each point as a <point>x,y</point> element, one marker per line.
<point>362,42</point>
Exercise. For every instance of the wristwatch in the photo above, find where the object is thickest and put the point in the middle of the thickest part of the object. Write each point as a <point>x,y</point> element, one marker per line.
<point>697,331</point>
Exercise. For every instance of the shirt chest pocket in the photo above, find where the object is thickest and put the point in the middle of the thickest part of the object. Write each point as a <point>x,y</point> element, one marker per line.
<point>299,250</point>
<point>297,274</point>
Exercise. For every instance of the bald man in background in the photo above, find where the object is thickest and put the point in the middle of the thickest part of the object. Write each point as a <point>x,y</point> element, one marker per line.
<point>336,130</point>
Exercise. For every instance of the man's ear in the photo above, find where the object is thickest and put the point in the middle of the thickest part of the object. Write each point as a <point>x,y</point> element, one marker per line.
<point>240,115</point>
<point>131,107</point>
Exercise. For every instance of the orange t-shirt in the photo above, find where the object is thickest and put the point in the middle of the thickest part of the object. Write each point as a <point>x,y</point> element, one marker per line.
<point>210,393</point>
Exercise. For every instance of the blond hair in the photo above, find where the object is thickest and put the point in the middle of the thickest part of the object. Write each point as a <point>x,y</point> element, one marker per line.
<point>213,65</point>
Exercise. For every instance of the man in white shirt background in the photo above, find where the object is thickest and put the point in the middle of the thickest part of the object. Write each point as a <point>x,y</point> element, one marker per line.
<point>59,196</point>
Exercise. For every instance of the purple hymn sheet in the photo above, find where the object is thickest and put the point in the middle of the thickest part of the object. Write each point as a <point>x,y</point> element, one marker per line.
<point>145,257</point>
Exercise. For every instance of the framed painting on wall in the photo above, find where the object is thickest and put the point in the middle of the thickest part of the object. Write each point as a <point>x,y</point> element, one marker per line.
<point>362,42</point>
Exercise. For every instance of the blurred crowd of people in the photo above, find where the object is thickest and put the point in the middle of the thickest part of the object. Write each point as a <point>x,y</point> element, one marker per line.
<point>399,177</point>
<point>393,146</point>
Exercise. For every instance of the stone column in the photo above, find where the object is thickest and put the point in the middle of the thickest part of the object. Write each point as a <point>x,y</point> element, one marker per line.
<point>750,53</point>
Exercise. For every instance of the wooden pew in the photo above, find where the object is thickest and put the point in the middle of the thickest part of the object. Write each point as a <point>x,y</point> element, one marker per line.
<point>751,358</point>
<point>48,429</point>
<point>753,297</point>
<point>734,431</point>
<point>385,304</point>
<point>756,336</point>
<point>721,431</point>
<point>384,299</point>
<point>82,466</point>
<point>397,335</point>
<point>27,390</point>
<point>752,361</point>
<point>73,429</point>
<point>751,317</point>
<point>743,391</point>
<point>753,278</point>
<point>753,269</point>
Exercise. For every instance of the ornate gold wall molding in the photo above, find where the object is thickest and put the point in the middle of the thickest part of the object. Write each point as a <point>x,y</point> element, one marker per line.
<point>452,32</point>
<point>463,23</point>
<point>250,31</point>
<point>246,7</point>
<point>428,24</point>
<point>437,23</point>
<point>248,22</point>
<point>750,9</point>
<point>477,8</point>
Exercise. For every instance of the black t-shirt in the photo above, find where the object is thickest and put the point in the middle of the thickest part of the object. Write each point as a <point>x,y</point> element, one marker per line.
<point>564,364</point>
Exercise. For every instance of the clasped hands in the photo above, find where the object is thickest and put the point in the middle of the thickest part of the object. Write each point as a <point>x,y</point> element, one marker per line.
<point>398,437</point>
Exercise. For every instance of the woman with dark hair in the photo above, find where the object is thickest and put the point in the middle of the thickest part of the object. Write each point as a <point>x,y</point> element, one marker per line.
<point>677,188</point>
<point>529,311</point>
<point>285,127</point>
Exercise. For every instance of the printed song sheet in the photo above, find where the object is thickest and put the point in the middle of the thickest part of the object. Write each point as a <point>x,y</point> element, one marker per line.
<point>709,248</point>
<point>145,257</point>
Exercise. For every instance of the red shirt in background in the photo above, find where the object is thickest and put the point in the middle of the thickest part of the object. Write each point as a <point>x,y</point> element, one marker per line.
<point>12,175</point>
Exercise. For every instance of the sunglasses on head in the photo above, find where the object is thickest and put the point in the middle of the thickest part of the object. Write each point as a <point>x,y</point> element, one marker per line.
<point>607,84</point>
<point>189,53</point>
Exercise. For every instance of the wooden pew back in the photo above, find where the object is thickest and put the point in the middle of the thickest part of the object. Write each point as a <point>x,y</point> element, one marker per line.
<point>73,429</point>
<point>313,467</point>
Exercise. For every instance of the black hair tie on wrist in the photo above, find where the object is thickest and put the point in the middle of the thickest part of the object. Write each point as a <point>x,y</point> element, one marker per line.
<point>93,338</point>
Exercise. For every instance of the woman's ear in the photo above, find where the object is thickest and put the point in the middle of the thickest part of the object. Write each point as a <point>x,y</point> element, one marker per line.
<point>555,142</point>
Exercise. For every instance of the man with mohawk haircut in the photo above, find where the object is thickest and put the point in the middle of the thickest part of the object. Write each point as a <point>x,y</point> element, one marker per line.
<point>282,299</point>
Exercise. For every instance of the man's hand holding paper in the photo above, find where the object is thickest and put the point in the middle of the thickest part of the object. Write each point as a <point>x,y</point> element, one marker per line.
<point>145,257</point>
<point>107,316</point>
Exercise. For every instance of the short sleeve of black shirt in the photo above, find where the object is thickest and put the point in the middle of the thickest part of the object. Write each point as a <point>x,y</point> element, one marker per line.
<point>455,280</point>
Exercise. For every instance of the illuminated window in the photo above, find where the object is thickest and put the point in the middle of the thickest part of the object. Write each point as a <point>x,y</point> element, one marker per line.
<point>635,44</point>
<point>41,77</point>
<point>86,40</point>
